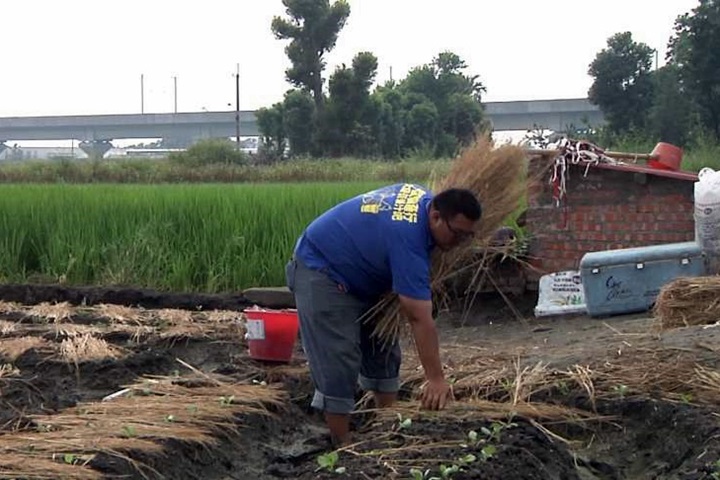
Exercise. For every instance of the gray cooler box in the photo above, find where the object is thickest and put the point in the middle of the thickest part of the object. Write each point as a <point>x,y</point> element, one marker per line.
<point>628,280</point>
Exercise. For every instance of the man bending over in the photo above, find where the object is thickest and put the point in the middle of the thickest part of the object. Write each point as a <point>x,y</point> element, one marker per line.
<point>344,262</point>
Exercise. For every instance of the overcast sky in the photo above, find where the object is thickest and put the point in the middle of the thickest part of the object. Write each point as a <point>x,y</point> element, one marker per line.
<point>75,57</point>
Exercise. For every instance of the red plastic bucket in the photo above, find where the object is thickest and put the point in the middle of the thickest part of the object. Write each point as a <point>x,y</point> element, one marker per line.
<point>668,157</point>
<point>271,334</point>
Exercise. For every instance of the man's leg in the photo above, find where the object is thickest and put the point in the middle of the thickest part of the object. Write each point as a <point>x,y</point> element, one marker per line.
<point>331,340</point>
<point>380,368</point>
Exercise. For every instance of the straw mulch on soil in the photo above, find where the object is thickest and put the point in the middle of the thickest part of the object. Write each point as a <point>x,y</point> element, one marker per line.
<point>688,301</point>
<point>497,176</point>
<point>140,418</point>
<point>76,341</point>
<point>491,385</point>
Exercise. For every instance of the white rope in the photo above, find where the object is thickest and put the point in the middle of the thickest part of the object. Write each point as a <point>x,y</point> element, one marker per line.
<point>575,152</point>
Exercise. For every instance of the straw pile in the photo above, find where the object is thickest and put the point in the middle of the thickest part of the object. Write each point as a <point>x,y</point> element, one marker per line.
<point>688,301</point>
<point>13,348</point>
<point>497,176</point>
<point>138,418</point>
<point>47,312</point>
<point>485,378</point>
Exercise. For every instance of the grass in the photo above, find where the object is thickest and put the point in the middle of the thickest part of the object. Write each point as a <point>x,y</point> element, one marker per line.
<point>144,171</point>
<point>208,238</point>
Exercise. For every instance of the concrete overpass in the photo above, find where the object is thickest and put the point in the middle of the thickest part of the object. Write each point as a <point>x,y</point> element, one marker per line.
<point>97,131</point>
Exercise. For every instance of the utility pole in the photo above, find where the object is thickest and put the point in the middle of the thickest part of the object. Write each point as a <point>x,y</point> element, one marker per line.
<point>237,106</point>
<point>175,84</point>
<point>142,93</point>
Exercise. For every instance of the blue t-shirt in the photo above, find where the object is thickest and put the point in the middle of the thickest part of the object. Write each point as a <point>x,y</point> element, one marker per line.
<point>374,243</point>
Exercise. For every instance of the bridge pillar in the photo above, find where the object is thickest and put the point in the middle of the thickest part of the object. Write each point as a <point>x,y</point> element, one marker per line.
<point>95,149</point>
<point>2,146</point>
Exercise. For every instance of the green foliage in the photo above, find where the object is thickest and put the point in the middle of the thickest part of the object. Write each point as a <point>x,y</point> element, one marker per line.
<point>620,390</point>
<point>348,123</point>
<point>693,49</point>
<point>299,120</point>
<point>437,108</point>
<point>670,116</point>
<point>403,423</point>
<point>313,27</point>
<point>271,123</point>
<point>144,171</point>
<point>202,238</point>
<point>328,462</point>
<point>622,85</point>
<point>715,470</point>
<point>212,151</point>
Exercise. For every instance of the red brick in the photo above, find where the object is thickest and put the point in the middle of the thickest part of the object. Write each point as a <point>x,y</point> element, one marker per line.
<point>610,217</point>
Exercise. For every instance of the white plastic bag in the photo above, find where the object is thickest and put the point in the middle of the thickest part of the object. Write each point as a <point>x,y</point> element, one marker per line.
<point>707,211</point>
<point>560,293</point>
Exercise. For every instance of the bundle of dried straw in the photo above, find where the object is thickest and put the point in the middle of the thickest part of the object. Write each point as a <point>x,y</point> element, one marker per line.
<point>497,176</point>
<point>688,301</point>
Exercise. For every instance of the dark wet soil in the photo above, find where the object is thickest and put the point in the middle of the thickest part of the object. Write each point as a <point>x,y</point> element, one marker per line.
<point>646,438</point>
<point>30,294</point>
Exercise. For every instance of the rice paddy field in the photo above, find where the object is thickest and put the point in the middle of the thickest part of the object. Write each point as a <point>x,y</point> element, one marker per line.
<point>207,238</point>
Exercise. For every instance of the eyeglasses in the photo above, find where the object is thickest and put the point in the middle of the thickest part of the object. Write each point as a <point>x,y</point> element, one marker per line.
<point>459,234</point>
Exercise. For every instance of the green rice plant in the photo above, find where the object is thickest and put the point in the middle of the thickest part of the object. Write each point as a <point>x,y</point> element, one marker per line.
<point>209,238</point>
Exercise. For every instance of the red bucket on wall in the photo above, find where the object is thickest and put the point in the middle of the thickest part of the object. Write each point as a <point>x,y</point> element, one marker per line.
<point>271,334</point>
<point>667,157</point>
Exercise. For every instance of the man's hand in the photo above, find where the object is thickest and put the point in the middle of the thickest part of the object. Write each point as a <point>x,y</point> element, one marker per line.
<point>436,394</point>
<point>437,391</point>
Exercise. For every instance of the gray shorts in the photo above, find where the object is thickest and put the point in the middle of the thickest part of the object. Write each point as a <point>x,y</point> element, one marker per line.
<point>338,347</point>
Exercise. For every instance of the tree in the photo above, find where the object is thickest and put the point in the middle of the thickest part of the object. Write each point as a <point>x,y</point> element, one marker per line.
<point>391,120</point>
<point>350,119</point>
<point>299,120</point>
<point>313,27</point>
<point>456,99</point>
<point>671,112</point>
<point>271,124</point>
<point>694,50</point>
<point>622,85</point>
<point>422,126</point>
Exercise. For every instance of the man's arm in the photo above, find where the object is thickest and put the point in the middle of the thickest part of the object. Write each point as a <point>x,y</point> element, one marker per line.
<point>419,313</point>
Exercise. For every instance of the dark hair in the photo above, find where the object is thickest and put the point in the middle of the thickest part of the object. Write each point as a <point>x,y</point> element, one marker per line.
<point>456,201</point>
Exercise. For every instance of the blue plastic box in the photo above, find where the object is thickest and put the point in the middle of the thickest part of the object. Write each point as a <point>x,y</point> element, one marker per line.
<point>628,280</point>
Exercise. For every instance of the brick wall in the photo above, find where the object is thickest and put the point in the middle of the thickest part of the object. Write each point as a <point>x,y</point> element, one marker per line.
<point>605,209</point>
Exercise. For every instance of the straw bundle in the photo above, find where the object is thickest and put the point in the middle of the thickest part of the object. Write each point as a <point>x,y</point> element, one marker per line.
<point>69,330</point>
<point>7,328</point>
<point>86,348</point>
<point>217,325</point>
<point>8,370</point>
<point>12,348</point>
<point>487,410</point>
<point>173,316</point>
<point>688,301</point>
<point>120,313</point>
<point>58,312</point>
<point>12,467</point>
<point>497,177</point>
<point>9,307</point>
